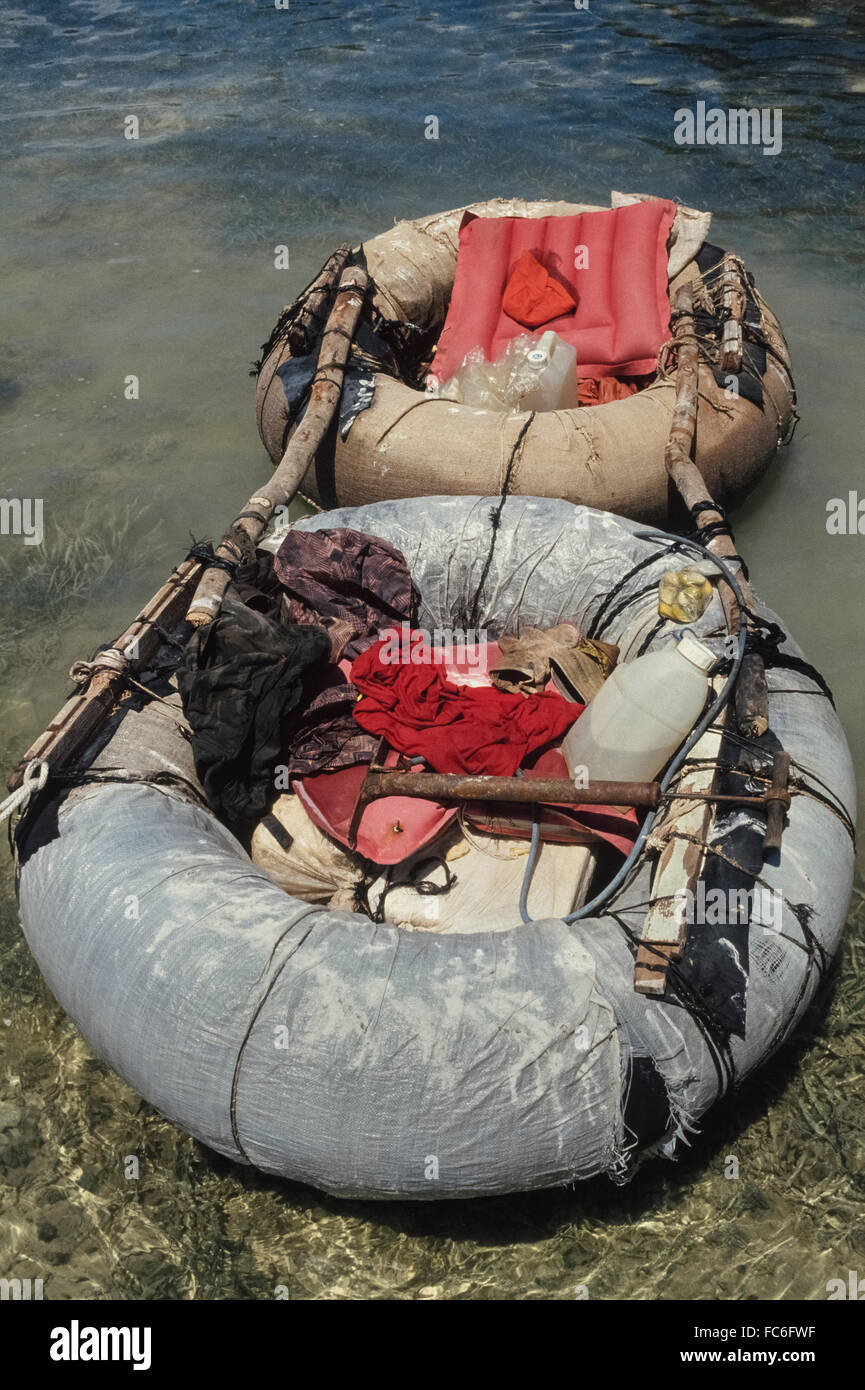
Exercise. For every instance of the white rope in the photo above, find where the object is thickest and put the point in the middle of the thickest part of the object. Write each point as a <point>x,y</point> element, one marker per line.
<point>35,777</point>
<point>109,660</point>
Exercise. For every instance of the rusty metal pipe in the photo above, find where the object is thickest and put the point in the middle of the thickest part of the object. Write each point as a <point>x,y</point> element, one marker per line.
<point>448,786</point>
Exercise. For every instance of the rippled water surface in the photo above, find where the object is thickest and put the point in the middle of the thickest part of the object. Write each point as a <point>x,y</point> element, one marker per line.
<point>155,257</point>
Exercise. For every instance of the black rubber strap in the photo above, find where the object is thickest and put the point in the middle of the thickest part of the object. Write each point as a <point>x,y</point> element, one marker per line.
<point>325,470</point>
<point>706,505</point>
<point>278,831</point>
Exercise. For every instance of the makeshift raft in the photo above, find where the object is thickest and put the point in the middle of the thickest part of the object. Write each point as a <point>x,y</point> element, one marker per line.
<point>374,1062</point>
<point>396,441</point>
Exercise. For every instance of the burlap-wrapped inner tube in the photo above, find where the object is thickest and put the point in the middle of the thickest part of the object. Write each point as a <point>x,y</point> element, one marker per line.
<point>611,456</point>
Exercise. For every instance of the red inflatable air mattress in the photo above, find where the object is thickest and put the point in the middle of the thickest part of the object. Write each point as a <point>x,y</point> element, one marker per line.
<point>622,313</point>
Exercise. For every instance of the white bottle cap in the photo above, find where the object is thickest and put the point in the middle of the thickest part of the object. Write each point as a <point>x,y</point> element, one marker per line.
<point>541,354</point>
<point>695,651</point>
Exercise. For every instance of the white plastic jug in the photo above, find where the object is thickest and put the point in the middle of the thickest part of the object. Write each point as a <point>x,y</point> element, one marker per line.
<point>550,374</point>
<point>641,714</point>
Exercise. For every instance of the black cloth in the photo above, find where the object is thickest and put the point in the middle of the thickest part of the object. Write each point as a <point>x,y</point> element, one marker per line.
<point>240,679</point>
<point>369,354</point>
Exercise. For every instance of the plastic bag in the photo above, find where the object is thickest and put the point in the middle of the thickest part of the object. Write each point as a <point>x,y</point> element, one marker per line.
<point>493,385</point>
<point>684,595</point>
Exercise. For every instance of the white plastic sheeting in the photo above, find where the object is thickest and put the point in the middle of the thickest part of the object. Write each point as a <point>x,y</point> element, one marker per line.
<point>375,1062</point>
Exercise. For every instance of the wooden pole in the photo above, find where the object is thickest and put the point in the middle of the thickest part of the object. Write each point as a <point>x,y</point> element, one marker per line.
<point>777,806</point>
<point>240,539</point>
<point>81,716</point>
<point>751,697</point>
<point>314,309</point>
<point>733,299</point>
<point>306,325</point>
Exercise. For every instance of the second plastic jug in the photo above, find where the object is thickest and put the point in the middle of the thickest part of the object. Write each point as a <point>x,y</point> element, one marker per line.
<point>641,714</point>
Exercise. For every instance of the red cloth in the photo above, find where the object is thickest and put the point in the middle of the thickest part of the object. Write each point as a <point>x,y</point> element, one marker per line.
<point>532,296</point>
<point>603,390</point>
<point>455,728</point>
<point>623,309</point>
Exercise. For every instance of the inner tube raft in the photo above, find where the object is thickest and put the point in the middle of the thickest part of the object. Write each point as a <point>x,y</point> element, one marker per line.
<point>408,444</point>
<point>374,1062</point>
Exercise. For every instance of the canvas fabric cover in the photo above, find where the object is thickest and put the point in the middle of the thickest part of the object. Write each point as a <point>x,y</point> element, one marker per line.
<point>622,310</point>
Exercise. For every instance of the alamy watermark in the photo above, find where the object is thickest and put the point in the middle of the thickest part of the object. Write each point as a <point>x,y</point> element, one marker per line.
<point>724,907</point>
<point>437,647</point>
<point>853,1287</point>
<point>77,1343</point>
<point>22,516</point>
<point>846,516</point>
<point>21,1290</point>
<point>739,125</point>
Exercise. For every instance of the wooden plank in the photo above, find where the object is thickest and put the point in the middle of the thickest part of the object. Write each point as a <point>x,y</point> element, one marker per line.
<point>733,299</point>
<point>80,717</point>
<point>679,866</point>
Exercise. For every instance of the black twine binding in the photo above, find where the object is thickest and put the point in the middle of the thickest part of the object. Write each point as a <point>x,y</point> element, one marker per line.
<point>765,637</point>
<point>604,615</point>
<point>200,550</point>
<point>495,520</point>
<point>706,533</point>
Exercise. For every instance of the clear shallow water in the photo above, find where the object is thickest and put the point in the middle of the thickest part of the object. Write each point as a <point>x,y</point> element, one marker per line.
<point>155,257</point>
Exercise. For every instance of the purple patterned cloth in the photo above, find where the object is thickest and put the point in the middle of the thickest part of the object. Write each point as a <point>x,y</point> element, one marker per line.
<point>325,736</point>
<point>341,574</point>
<point>353,585</point>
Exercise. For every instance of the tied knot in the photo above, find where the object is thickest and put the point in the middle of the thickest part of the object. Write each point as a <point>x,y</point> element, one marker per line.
<point>35,776</point>
<point>111,659</point>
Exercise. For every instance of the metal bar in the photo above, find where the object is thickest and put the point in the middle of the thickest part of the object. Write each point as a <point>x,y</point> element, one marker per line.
<point>766,798</point>
<point>777,804</point>
<point>448,786</point>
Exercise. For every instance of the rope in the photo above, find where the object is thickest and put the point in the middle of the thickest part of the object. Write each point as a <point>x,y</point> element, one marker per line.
<point>426,887</point>
<point>111,659</point>
<point>495,518</point>
<point>145,690</point>
<point>604,615</point>
<point>35,777</point>
<point>765,637</point>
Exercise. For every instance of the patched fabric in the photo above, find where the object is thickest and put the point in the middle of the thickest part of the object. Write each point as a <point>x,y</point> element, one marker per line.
<point>323,736</point>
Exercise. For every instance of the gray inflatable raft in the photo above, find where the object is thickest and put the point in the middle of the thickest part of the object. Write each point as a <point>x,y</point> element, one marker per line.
<point>374,1062</point>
